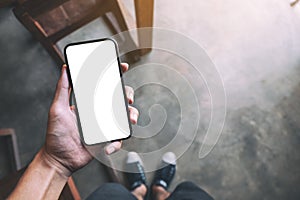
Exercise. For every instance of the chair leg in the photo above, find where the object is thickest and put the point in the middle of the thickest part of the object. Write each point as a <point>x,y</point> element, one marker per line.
<point>14,146</point>
<point>73,189</point>
<point>144,18</point>
<point>54,52</point>
<point>129,42</point>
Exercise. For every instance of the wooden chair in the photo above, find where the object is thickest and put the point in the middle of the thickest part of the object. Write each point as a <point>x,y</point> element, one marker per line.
<point>12,146</point>
<point>51,20</point>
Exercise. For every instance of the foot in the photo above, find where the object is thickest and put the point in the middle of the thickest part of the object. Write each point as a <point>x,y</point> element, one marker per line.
<point>140,192</point>
<point>159,193</point>
<point>135,175</point>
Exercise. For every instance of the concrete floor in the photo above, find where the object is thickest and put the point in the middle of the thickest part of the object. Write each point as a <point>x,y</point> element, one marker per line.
<point>255,47</point>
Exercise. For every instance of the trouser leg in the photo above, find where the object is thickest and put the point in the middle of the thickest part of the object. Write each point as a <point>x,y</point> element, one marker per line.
<point>111,191</point>
<point>189,190</point>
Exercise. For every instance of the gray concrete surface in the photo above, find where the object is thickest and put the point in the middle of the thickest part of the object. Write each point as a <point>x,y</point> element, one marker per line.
<point>256,49</point>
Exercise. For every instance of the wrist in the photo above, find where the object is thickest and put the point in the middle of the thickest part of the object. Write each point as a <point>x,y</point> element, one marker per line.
<point>54,164</point>
<point>41,180</point>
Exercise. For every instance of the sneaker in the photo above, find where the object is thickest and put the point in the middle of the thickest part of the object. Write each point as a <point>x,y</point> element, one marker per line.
<point>134,174</point>
<point>164,176</point>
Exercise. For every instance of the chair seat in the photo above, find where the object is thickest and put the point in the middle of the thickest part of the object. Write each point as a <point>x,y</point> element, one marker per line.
<point>68,14</point>
<point>51,20</point>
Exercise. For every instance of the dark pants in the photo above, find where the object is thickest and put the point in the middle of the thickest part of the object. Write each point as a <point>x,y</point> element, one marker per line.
<point>114,191</point>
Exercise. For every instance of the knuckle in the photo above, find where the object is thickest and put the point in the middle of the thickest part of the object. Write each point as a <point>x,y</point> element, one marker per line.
<point>129,90</point>
<point>134,110</point>
<point>117,145</point>
<point>55,110</point>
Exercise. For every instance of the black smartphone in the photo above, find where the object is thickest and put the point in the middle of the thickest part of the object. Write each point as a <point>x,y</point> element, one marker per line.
<point>95,76</point>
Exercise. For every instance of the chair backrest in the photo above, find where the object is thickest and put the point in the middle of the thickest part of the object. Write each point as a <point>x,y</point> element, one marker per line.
<point>37,7</point>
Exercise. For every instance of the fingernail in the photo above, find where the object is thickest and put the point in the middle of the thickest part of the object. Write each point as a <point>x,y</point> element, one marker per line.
<point>110,150</point>
<point>63,67</point>
<point>131,97</point>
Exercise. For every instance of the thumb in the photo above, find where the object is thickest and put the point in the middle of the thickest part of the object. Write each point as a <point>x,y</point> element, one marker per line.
<point>62,88</point>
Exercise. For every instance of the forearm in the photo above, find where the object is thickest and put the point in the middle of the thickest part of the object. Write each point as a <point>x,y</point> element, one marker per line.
<point>41,180</point>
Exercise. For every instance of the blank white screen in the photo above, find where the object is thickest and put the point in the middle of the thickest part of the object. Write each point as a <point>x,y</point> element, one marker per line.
<point>98,91</point>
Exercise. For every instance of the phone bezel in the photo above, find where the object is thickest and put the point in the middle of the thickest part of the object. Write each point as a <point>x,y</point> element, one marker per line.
<point>122,82</point>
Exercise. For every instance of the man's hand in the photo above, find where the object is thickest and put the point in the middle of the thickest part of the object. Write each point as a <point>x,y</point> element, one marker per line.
<point>63,152</point>
<point>63,147</point>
